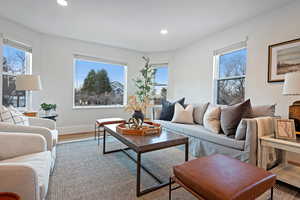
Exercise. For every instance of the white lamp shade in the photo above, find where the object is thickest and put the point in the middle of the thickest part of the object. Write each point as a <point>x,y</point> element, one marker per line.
<point>292,84</point>
<point>28,82</point>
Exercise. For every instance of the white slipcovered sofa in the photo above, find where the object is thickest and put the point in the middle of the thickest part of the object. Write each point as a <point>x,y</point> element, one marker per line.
<point>25,165</point>
<point>40,126</point>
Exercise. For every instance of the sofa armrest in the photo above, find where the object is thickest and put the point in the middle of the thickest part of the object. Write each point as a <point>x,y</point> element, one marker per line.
<point>20,179</point>
<point>7,127</point>
<point>18,144</point>
<point>251,140</point>
<point>47,123</point>
<point>156,110</point>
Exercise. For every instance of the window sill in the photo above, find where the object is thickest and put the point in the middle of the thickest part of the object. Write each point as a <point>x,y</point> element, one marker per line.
<point>98,107</point>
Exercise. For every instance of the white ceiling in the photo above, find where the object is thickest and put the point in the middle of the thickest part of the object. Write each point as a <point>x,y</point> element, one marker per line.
<point>135,24</point>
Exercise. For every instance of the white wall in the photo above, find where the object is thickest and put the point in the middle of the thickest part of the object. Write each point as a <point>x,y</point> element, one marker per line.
<point>53,60</point>
<point>192,68</point>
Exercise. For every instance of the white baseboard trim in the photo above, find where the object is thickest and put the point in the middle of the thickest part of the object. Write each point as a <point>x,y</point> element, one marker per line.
<point>75,129</point>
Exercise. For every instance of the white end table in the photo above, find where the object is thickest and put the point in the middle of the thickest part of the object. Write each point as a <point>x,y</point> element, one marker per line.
<point>285,172</point>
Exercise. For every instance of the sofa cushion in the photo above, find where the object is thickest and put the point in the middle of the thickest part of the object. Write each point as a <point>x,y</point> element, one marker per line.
<point>183,115</point>
<point>211,119</point>
<point>199,111</point>
<point>167,111</point>
<point>232,115</point>
<point>202,133</point>
<point>41,163</point>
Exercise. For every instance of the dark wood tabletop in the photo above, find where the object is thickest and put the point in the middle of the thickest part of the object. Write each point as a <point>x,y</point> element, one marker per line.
<point>147,143</point>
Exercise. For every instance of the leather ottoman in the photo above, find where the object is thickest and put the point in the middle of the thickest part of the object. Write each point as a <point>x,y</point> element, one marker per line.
<point>220,177</point>
<point>9,196</point>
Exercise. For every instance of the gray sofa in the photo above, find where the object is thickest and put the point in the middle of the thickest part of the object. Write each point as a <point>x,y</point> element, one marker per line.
<point>204,142</point>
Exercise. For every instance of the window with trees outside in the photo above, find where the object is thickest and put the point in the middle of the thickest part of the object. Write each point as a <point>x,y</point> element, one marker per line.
<point>160,83</point>
<point>230,76</point>
<point>16,61</point>
<point>98,83</point>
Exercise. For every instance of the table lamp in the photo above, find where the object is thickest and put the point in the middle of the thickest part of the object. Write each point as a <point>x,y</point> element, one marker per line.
<point>28,83</point>
<point>292,87</point>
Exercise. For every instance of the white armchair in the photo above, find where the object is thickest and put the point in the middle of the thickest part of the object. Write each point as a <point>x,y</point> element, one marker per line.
<point>40,126</point>
<point>24,165</point>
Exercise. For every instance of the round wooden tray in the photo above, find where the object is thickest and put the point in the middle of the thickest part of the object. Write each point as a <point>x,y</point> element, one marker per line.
<point>149,129</point>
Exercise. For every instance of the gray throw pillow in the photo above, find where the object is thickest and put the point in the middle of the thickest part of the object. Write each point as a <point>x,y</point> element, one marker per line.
<point>241,130</point>
<point>232,115</point>
<point>263,111</point>
<point>199,111</point>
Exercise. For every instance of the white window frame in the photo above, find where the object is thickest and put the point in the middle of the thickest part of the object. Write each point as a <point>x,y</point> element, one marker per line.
<point>28,66</point>
<point>216,64</point>
<point>161,65</point>
<point>105,61</point>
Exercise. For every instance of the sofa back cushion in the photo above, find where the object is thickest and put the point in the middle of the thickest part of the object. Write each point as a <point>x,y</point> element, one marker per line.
<point>263,111</point>
<point>199,111</point>
<point>183,115</point>
<point>211,119</point>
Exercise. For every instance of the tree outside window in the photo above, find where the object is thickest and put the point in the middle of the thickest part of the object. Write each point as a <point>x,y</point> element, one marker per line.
<point>160,83</point>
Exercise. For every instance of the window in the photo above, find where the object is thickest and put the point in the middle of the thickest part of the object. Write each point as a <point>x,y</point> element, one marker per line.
<point>16,61</point>
<point>160,83</point>
<point>230,71</point>
<point>98,83</point>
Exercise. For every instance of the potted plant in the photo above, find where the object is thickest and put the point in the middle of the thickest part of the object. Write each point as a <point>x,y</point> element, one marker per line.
<point>48,107</point>
<point>139,103</point>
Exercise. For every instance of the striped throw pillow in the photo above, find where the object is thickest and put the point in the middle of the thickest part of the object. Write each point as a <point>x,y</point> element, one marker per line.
<point>5,115</point>
<point>18,117</point>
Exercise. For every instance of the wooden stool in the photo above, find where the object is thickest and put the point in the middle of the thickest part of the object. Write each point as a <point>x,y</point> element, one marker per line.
<point>9,196</point>
<point>101,122</point>
<point>220,177</point>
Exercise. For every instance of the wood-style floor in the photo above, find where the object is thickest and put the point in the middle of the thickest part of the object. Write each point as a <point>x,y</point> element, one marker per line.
<point>75,136</point>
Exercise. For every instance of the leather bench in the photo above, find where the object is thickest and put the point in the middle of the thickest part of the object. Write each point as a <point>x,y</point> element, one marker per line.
<point>105,121</point>
<point>220,177</point>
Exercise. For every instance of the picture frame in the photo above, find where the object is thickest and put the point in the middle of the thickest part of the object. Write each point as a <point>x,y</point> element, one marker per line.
<point>284,57</point>
<point>285,129</point>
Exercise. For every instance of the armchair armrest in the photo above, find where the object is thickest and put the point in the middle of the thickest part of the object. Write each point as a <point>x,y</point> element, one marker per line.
<point>7,127</point>
<point>47,123</point>
<point>20,179</point>
<point>18,144</point>
<point>156,110</point>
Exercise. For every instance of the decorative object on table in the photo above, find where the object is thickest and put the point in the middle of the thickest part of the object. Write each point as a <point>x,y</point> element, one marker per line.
<point>48,107</point>
<point>138,104</point>
<point>31,114</point>
<point>9,196</point>
<point>28,83</point>
<point>283,58</point>
<point>148,128</point>
<point>292,87</point>
<point>285,129</point>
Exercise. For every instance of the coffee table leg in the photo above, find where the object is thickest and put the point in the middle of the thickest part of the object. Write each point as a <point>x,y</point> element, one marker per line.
<point>104,137</point>
<point>186,151</point>
<point>138,175</point>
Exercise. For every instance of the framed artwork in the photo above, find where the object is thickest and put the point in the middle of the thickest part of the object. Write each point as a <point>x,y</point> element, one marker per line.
<point>285,129</point>
<point>283,58</point>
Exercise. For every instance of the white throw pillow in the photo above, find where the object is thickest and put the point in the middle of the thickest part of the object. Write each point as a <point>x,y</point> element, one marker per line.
<point>5,115</point>
<point>18,117</point>
<point>211,119</point>
<point>183,115</point>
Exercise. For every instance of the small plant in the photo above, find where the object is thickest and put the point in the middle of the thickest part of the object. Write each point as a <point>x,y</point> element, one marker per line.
<point>48,107</point>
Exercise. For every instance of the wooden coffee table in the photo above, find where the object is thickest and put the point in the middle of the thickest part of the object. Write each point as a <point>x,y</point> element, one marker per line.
<point>144,144</point>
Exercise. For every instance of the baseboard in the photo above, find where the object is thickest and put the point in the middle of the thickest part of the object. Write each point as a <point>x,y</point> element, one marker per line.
<point>76,129</point>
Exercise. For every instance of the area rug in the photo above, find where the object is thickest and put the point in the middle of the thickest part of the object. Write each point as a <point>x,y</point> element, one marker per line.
<point>83,173</point>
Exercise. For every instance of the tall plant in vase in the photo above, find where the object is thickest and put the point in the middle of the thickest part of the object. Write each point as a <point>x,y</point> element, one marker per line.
<point>139,103</point>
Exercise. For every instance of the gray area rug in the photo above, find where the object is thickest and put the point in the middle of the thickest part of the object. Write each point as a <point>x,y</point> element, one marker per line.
<point>83,173</point>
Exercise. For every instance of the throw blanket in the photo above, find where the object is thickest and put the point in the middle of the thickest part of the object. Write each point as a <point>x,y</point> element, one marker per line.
<point>266,126</point>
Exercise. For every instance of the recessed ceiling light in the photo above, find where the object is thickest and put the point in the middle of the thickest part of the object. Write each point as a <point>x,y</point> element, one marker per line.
<point>164,31</point>
<point>62,2</point>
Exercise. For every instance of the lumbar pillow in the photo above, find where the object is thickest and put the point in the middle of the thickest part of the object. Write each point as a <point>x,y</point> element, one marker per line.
<point>167,111</point>
<point>18,117</point>
<point>232,115</point>
<point>183,115</point>
<point>199,111</point>
<point>263,111</point>
<point>211,119</point>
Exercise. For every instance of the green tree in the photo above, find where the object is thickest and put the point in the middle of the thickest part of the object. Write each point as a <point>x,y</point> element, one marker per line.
<point>102,83</point>
<point>89,82</point>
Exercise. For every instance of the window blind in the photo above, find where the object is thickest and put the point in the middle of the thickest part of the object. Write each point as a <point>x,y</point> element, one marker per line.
<point>232,47</point>
<point>91,58</point>
<point>17,45</point>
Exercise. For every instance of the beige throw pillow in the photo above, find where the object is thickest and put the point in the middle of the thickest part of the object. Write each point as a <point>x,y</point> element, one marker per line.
<point>183,115</point>
<point>211,119</point>
<point>199,111</point>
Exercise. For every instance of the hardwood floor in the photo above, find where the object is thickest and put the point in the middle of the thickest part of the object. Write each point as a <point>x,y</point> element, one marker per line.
<point>75,136</point>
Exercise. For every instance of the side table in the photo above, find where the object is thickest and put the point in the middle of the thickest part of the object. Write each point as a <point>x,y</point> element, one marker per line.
<point>285,172</point>
<point>9,196</point>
